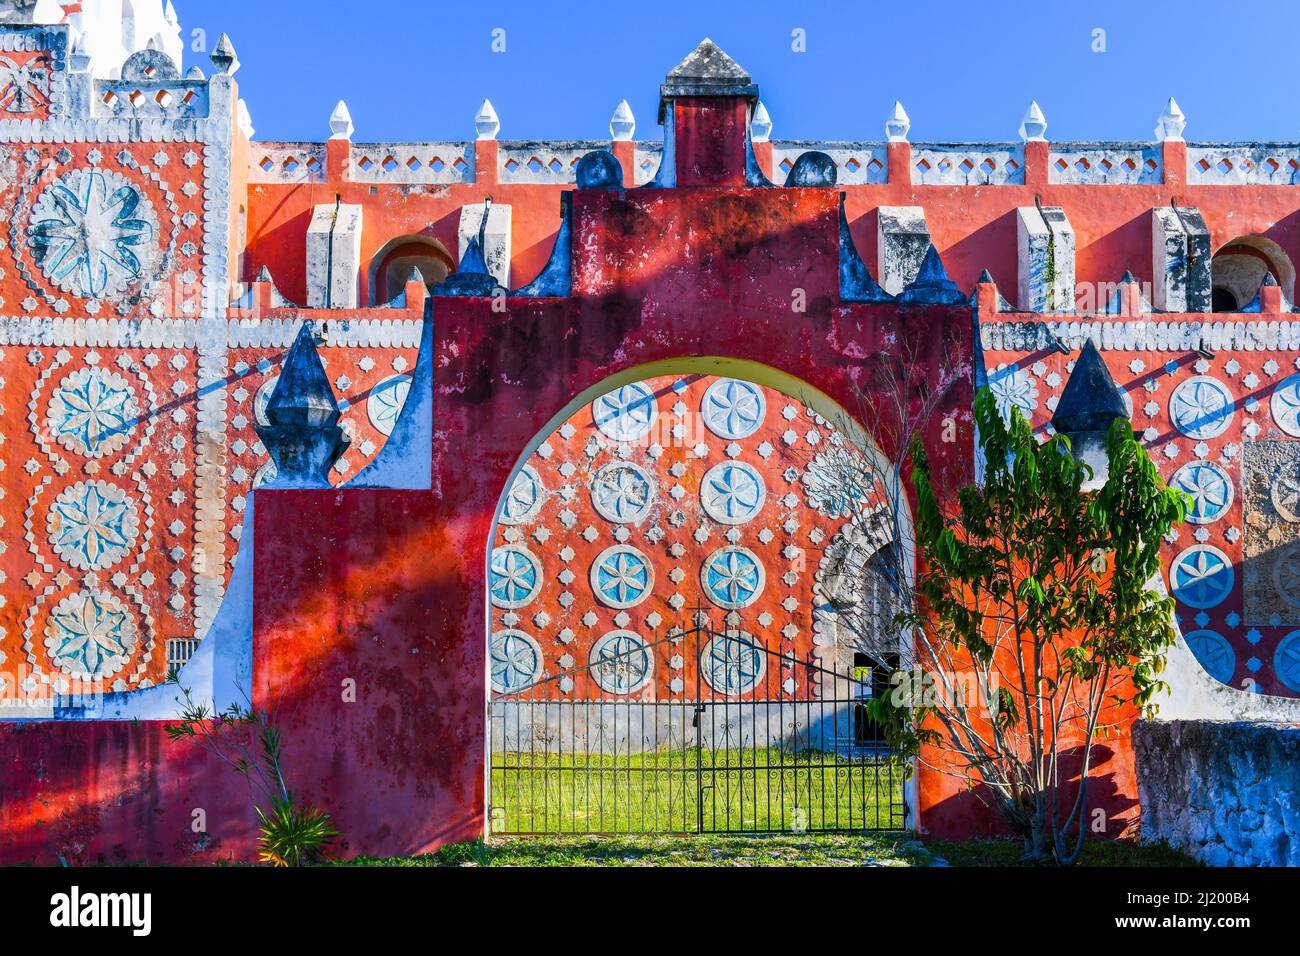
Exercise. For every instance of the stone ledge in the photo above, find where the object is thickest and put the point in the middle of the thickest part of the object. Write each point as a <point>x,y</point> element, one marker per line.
<point>1222,791</point>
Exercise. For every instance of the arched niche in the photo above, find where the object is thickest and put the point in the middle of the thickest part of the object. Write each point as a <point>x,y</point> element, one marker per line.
<point>1239,267</point>
<point>390,266</point>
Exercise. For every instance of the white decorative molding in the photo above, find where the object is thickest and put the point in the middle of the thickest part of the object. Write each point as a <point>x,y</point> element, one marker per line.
<point>286,163</point>
<point>856,164</point>
<point>968,164</point>
<point>1105,164</point>
<point>1243,164</point>
<point>437,163</point>
<point>1141,335</point>
<point>543,162</point>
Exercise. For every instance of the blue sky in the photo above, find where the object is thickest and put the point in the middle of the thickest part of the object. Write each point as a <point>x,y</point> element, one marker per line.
<point>963,70</point>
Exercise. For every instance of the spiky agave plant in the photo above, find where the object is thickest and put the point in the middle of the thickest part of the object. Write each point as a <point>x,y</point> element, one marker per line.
<point>249,742</point>
<point>294,835</point>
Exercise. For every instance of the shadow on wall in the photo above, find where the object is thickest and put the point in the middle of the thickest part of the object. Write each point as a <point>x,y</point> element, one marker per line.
<point>1260,655</point>
<point>1112,810</point>
<point>344,593</point>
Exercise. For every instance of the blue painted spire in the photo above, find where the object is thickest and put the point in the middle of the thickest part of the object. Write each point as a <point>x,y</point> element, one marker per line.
<point>303,395</point>
<point>856,281</point>
<point>472,277</point>
<point>1091,401</point>
<point>303,436</point>
<point>932,284</point>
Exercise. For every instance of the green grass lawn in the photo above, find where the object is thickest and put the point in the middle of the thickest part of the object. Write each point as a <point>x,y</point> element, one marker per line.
<point>872,849</point>
<point>687,791</point>
<point>635,801</point>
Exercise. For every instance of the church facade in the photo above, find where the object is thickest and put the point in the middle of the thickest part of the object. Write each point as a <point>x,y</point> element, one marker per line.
<point>513,410</point>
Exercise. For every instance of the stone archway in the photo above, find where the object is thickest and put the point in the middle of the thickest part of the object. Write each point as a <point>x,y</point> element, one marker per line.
<point>645,491</point>
<point>683,584</point>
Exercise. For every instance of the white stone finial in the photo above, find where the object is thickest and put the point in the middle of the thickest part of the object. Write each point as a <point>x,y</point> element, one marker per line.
<point>341,122</point>
<point>1034,125</point>
<point>224,57</point>
<point>169,14</point>
<point>760,125</point>
<point>486,122</point>
<point>622,124</point>
<point>898,124</point>
<point>1171,123</point>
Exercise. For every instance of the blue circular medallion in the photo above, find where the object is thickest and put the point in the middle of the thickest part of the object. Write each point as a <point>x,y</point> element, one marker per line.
<point>733,409</point>
<point>1209,487</point>
<point>514,659</point>
<point>1214,653</point>
<point>621,663</point>
<point>515,577</point>
<point>1202,576</point>
<point>627,413</point>
<point>1201,407</point>
<point>733,663</point>
<point>732,577</point>
<point>1286,660</point>
<point>622,576</point>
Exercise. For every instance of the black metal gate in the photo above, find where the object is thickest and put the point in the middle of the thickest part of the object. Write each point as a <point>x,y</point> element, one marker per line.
<point>702,731</point>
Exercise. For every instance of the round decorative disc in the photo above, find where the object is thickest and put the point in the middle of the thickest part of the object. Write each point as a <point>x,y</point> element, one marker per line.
<point>524,499</point>
<point>515,660</point>
<point>92,412</point>
<point>733,664</point>
<point>622,493</point>
<point>515,576</point>
<point>733,577</point>
<point>622,576</point>
<point>621,663</point>
<point>627,413</point>
<point>732,492</point>
<point>1201,407</point>
<point>1285,405</point>
<point>1214,653</point>
<point>733,409</point>
<point>384,405</point>
<point>1210,489</point>
<point>1201,577</point>
<point>1286,660</point>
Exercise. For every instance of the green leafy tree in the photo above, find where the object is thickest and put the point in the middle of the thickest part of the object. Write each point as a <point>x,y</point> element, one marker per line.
<point>248,741</point>
<point>1036,622</point>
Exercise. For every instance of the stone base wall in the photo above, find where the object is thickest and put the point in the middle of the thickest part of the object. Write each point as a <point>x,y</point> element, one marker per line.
<point>1224,792</point>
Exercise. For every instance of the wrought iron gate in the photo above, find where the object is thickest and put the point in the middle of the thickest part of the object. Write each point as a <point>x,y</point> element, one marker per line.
<point>702,731</point>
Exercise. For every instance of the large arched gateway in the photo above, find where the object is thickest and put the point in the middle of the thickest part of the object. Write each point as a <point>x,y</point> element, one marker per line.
<point>692,588</point>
